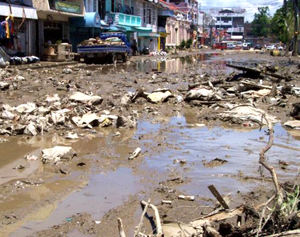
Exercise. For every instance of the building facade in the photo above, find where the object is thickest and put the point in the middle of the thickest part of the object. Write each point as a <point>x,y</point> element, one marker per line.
<point>53,20</point>
<point>229,23</point>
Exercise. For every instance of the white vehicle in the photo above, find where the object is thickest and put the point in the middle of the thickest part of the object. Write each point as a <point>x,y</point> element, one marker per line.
<point>246,46</point>
<point>270,47</point>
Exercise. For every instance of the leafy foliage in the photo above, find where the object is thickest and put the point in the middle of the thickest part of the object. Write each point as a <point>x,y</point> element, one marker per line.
<point>261,22</point>
<point>182,44</point>
<point>282,24</point>
<point>290,204</point>
<point>188,43</point>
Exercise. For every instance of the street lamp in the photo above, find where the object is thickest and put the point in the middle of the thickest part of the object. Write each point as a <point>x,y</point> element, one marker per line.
<point>212,23</point>
<point>176,29</point>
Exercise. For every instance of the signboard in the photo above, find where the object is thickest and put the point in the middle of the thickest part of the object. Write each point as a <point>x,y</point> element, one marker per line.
<point>67,7</point>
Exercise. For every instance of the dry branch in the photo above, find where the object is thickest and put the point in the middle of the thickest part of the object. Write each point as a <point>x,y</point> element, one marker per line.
<point>159,229</point>
<point>264,163</point>
<point>293,233</point>
<point>138,228</point>
<point>121,228</point>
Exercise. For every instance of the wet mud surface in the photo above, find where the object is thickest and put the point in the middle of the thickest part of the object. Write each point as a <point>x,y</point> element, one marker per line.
<point>184,148</point>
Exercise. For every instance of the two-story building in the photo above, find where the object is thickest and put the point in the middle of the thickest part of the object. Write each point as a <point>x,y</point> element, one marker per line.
<point>231,21</point>
<point>18,27</point>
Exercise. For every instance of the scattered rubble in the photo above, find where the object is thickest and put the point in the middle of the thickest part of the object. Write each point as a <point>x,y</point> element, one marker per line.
<point>57,153</point>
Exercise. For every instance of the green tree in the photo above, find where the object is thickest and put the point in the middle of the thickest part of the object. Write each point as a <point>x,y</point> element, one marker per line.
<point>282,23</point>
<point>261,22</point>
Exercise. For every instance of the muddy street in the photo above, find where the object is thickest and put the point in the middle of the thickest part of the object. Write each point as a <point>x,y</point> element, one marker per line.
<point>82,145</point>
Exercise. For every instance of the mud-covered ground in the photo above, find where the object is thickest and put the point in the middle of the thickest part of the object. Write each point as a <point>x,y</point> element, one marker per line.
<point>185,146</point>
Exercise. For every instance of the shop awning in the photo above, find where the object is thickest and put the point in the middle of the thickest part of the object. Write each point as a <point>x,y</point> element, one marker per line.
<point>116,29</point>
<point>18,11</point>
<point>143,29</point>
<point>148,35</point>
<point>127,28</point>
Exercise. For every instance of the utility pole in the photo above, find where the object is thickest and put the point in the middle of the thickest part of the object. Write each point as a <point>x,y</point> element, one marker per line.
<point>296,10</point>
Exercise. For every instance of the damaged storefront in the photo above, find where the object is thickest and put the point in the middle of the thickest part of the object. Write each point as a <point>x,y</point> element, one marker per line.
<point>53,24</point>
<point>18,21</point>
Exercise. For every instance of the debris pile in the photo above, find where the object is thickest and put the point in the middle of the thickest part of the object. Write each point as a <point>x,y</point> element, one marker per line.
<point>78,109</point>
<point>99,41</point>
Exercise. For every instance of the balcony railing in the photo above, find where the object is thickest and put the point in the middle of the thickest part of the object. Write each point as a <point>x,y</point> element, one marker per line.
<point>229,23</point>
<point>125,19</point>
<point>236,29</point>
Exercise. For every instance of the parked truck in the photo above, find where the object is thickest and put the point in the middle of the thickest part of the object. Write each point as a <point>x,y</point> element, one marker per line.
<point>109,51</point>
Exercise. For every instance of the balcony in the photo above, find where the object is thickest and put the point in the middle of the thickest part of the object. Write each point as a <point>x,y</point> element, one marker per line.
<point>236,29</point>
<point>222,23</point>
<point>124,19</point>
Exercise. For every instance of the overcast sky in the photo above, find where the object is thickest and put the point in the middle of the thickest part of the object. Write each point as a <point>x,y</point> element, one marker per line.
<point>250,5</point>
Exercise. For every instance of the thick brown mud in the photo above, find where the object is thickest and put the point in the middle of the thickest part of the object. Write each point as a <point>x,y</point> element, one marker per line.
<point>85,196</point>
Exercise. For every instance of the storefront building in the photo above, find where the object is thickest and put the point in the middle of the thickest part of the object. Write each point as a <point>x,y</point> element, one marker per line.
<point>178,29</point>
<point>18,21</point>
<point>53,23</point>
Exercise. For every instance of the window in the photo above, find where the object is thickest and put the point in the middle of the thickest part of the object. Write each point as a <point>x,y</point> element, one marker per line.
<point>147,13</point>
<point>148,16</point>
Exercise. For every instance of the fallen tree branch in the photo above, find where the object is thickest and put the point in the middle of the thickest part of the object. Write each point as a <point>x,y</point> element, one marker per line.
<point>223,215</point>
<point>121,228</point>
<point>260,225</point>
<point>286,233</point>
<point>159,229</point>
<point>139,226</point>
<point>263,162</point>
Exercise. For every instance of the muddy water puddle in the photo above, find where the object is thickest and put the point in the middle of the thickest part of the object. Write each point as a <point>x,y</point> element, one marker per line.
<point>103,192</point>
<point>168,65</point>
<point>165,140</point>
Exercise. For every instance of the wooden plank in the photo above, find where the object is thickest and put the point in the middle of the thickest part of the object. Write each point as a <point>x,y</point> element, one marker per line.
<point>218,196</point>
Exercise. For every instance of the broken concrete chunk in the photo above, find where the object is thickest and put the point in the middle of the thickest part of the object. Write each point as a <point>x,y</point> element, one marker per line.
<point>203,94</point>
<point>4,132</point>
<point>26,108</point>
<point>129,122</point>
<point>57,153</point>
<point>67,71</point>
<point>30,157</point>
<point>159,96</point>
<point>4,85</point>
<point>293,124</point>
<point>127,98</point>
<point>7,115</point>
<point>136,152</point>
<point>88,120</point>
<point>31,129</point>
<point>59,117</point>
<point>19,78</point>
<point>80,97</point>
<point>72,136</point>
<point>86,99</point>
<point>53,98</point>
<point>239,114</point>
